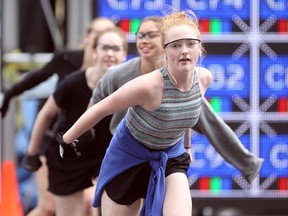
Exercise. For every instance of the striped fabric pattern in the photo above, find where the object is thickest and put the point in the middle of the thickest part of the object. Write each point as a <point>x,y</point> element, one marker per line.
<point>165,126</point>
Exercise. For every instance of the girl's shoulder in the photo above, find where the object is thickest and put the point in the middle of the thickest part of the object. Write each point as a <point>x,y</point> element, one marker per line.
<point>204,76</point>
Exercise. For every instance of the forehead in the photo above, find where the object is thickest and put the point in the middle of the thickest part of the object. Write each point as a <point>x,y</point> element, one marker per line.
<point>110,38</point>
<point>101,25</point>
<point>182,31</point>
<point>148,26</point>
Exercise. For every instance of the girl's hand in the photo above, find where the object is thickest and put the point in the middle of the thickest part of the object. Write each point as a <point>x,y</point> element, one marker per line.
<point>31,162</point>
<point>67,151</point>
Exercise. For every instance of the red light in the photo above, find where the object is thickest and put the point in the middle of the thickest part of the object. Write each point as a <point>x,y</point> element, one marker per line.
<point>204,184</point>
<point>205,25</point>
<point>283,183</point>
<point>124,24</point>
<point>282,26</point>
<point>282,105</point>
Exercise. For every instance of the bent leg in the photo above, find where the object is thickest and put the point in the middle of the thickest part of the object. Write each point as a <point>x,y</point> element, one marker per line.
<point>178,199</point>
<point>89,210</point>
<point>45,203</point>
<point>111,208</point>
<point>70,205</point>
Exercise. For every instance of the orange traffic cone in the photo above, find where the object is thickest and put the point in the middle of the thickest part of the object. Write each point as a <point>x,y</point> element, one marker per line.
<point>10,202</point>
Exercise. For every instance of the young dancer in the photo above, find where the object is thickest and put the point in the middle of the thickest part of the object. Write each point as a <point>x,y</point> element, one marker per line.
<point>148,42</point>
<point>68,179</point>
<point>147,150</point>
<point>63,63</point>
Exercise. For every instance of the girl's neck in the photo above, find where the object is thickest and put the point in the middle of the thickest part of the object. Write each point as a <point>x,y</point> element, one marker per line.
<point>88,60</point>
<point>182,82</point>
<point>93,75</point>
<point>147,66</point>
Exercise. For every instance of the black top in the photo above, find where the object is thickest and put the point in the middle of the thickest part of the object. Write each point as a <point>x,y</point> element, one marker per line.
<point>72,96</point>
<point>69,176</point>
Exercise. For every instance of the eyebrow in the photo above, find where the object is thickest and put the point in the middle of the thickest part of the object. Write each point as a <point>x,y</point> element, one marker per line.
<point>181,39</point>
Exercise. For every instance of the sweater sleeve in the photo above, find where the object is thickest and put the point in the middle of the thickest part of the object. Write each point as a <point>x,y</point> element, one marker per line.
<point>33,78</point>
<point>104,88</point>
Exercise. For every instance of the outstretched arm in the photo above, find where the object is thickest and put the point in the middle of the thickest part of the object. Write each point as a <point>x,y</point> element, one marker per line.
<point>30,80</point>
<point>60,64</point>
<point>44,118</point>
<point>144,91</point>
<point>223,138</point>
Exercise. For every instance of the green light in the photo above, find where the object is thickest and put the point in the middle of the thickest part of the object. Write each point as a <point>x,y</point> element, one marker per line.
<point>216,103</point>
<point>215,26</point>
<point>134,25</point>
<point>215,185</point>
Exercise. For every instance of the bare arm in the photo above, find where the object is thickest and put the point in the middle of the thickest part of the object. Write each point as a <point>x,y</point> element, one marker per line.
<point>42,123</point>
<point>187,142</point>
<point>205,79</point>
<point>187,138</point>
<point>145,91</point>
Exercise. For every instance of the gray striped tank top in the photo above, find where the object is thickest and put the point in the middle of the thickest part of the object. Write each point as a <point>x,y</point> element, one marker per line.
<point>165,126</point>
